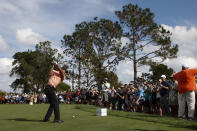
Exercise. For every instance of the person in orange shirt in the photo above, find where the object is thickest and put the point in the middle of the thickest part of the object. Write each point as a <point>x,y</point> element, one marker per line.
<point>55,78</point>
<point>186,91</point>
<point>31,100</point>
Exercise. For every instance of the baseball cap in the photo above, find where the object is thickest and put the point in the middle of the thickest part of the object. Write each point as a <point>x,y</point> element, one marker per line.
<point>163,76</point>
<point>105,79</point>
<point>185,66</point>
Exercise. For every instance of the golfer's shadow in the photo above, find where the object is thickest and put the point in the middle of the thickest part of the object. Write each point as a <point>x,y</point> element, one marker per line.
<point>24,119</point>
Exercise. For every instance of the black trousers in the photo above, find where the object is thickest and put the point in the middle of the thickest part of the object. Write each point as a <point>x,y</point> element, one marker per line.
<point>54,104</point>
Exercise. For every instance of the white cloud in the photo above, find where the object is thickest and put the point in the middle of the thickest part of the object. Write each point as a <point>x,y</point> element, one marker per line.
<point>110,8</point>
<point>186,38</point>
<point>176,64</point>
<point>150,48</point>
<point>125,71</point>
<point>5,66</point>
<point>6,81</point>
<point>19,5</point>
<point>94,1</point>
<point>182,34</point>
<point>4,46</point>
<point>124,41</point>
<point>27,36</point>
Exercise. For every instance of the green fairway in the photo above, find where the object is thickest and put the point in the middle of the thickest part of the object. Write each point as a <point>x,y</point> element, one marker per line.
<point>27,118</point>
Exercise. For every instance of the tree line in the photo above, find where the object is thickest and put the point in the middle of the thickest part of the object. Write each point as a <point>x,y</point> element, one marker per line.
<point>94,50</point>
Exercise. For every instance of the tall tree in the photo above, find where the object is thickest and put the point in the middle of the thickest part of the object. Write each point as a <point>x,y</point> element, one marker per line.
<point>103,45</point>
<point>74,49</point>
<point>147,41</point>
<point>96,41</point>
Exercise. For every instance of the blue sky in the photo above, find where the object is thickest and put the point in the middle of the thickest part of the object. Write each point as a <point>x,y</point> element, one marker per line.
<point>26,22</point>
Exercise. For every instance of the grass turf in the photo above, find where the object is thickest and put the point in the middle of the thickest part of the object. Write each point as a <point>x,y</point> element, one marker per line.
<point>28,118</point>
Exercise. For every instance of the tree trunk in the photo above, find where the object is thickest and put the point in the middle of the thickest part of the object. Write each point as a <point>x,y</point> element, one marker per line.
<point>87,78</point>
<point>99,75</point>
<point>79,76</point>
<point>134,58</point>
<point>134,66</point>
<point>79,69</point>
<point>73,77</point>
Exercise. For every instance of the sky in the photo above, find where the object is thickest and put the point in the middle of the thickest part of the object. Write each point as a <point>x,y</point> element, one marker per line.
<point>24,23</point>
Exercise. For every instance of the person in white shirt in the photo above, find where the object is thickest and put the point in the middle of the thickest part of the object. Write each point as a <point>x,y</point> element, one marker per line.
<point>104,91</point>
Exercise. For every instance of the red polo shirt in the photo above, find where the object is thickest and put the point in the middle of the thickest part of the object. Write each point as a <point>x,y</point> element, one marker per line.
<point>186,80</point>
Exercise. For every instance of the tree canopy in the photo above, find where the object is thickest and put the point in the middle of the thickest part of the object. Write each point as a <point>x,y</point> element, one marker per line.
<point>147,41</point>
<point>32,67</point>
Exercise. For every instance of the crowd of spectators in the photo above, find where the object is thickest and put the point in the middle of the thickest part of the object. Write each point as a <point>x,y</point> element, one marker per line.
<point>140,96</point>
<point>23,98</point>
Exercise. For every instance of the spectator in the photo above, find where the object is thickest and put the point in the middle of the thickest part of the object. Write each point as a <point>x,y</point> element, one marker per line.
<point>155,99</point>
<point>3,100</point>
<point>148,99</point>
<point>127,99</point>
<point>40,98</point>
<point>60,98</point>
<point>76,97</point>
<point>44,98</point>
<point>31,100</point>
<point>112,98</point>
<point>140,98</point>
<point>120,98</point>
<point>6,99</point>
<point>173,98</point>
<point>186,88</point>
<point>164,88</point>
<point>70,97</point>
<point>35,99</point>
<point>104,92</point>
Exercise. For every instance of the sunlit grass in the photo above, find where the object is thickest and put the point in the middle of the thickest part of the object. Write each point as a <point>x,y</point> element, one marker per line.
<point>83,118</point>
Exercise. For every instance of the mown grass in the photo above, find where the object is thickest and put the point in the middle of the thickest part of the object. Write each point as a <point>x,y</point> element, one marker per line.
<point>28,118</point>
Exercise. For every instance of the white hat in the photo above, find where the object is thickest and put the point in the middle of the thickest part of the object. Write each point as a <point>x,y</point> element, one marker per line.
<point>163,76</point>
<point>185,66</point>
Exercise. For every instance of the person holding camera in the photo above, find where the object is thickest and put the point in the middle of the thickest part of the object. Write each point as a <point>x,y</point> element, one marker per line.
<point>104,91</point>
<point>56,77</point>
<point>164,95</point>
